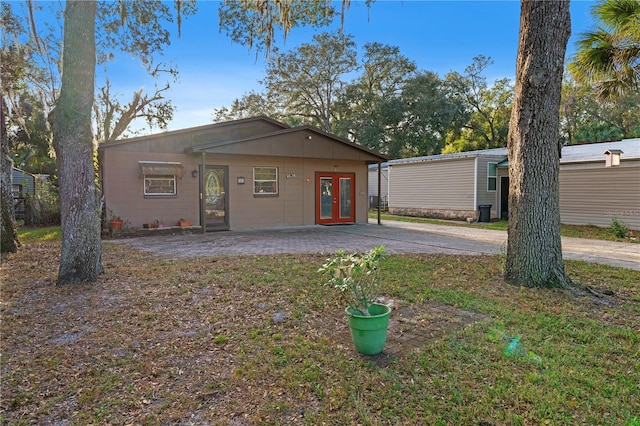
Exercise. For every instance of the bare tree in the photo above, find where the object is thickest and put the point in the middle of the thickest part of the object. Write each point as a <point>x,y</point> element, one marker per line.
<point>112,119</point>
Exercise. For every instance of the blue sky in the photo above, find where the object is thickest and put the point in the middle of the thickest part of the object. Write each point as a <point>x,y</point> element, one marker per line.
<point>440,36</point>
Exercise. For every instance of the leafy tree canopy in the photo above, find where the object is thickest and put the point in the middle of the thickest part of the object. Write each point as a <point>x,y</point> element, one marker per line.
<point>608,57</point>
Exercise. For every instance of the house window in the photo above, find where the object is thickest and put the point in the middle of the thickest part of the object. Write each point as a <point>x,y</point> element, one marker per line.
<point>492,176</point>
<point>160,185</point>
<point>265,181</point>
<point>160,177</point>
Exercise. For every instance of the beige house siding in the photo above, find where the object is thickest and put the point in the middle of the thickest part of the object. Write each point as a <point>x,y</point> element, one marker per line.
<point>484,195</point>
<point>451,186</point>
<point>590,193</point>
<point>593,194</point>
<point>442,188</point>
<point>124,193</point>
<point>298,153</point>
<point>296,201</point>
<point>294,205</point>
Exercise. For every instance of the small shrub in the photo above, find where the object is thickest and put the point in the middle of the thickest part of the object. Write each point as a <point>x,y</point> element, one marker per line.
<point>356,275</point>
<point>619,228</point>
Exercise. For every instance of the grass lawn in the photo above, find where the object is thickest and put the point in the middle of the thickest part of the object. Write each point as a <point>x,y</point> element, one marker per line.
<point>576,231</point>
<point>194,341</point>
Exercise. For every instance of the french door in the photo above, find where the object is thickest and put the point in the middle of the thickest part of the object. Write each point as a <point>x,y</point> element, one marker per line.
<point>335,198</point>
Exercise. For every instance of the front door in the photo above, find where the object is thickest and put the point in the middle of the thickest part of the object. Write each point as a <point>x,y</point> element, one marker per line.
<point>215,205</point>
<point>335,198</point>
<point>504,197</point>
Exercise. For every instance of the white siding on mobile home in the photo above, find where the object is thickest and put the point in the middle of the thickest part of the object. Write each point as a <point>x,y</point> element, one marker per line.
<point>450,186</point>
<point>594,188</point>
<point>441,185</point>
<point>588,197</point>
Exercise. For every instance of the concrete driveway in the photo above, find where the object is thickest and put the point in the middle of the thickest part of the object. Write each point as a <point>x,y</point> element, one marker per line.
<point>397,237</point>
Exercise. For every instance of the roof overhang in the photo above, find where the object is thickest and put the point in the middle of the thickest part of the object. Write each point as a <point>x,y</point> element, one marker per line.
<point>161,168</point>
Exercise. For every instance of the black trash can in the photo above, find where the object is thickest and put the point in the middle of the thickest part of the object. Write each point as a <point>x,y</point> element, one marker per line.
<point>485,212</point>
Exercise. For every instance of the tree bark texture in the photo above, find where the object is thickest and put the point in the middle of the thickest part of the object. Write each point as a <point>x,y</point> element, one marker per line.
<point>534,252</point>
<point>81,253</point>
<point>8,234</point>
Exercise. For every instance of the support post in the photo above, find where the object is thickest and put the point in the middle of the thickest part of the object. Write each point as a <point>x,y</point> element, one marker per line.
<point>203,166</point>
<point>379,189</point>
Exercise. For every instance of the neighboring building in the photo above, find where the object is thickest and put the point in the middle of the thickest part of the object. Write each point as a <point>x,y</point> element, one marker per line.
<point>373,185</point>
<point>248,173</point>
<point>22,184</point>
<point>597,183</point>
<point>445,186</point>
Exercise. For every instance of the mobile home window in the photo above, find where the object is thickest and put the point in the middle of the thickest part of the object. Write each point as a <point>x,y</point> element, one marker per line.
<point>160,185</point>
<point>265,181</point>
<point>16,189</point>
<point>492,176</point>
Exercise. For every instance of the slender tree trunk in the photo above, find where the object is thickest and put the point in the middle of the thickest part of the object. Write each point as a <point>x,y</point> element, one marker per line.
<point>534,253</point>
<point>73,141</point>
<point>8,235</point>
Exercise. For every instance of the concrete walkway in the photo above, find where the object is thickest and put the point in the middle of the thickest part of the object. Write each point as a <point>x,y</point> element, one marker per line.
<point>397,237</point>
<point>626,255</point>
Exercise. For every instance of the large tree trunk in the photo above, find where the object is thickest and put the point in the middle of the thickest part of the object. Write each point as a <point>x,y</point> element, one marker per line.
<point>8,234</point>
<point>534,252</point>
<point>73,141</point>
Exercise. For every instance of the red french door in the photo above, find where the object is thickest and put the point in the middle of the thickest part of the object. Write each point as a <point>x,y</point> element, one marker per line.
<point>335,198</point>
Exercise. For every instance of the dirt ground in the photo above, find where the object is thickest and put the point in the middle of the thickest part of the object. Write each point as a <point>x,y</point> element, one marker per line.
<point>140,342</point>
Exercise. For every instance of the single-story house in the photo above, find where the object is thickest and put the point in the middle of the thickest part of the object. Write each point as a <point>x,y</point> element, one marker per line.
<point>22,184</point>
<point>248,173</point>
<point>445,186</point>
<point>598,182</point>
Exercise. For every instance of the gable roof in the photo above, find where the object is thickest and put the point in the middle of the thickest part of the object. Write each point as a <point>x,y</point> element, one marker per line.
<point>197,129</point>
<point>304,149</point>
<point>261,136</point>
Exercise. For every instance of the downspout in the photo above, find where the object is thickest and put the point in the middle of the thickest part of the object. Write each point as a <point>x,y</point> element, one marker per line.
<point>379,188</point>
<point>202,172</point>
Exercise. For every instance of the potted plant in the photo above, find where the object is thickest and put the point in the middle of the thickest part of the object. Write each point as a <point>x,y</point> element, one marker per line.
<point>183,223</point>
<point>115,223</point>
<point>356,275</point>
<point>152,225</point>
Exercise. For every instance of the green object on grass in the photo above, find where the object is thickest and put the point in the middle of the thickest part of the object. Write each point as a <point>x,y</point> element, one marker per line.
<point>515,348</point>
<point>369,333</point>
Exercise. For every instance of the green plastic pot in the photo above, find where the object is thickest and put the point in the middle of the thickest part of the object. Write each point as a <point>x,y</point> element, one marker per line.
<point>369,333</point>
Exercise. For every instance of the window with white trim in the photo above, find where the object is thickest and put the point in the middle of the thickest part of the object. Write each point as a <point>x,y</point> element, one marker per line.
<point>492,176</point>
<point>160,177</point>
<point>265,181</point>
